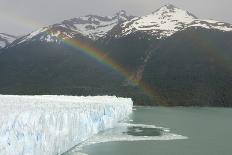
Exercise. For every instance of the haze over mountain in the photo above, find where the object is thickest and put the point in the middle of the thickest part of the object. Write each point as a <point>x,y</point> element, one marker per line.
<point>185,60</point>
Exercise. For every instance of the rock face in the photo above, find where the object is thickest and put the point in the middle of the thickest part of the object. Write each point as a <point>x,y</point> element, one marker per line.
<point>49,125</point>
<point>184,60</point>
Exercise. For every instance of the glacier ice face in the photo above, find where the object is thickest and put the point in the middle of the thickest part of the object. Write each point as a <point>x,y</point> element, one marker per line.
<point>50,125</point>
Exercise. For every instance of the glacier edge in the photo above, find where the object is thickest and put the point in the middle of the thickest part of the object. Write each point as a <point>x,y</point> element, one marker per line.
<point>51,125</point>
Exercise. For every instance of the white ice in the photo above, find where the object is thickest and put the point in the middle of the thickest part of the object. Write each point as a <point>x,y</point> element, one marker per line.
<point>51,125</point>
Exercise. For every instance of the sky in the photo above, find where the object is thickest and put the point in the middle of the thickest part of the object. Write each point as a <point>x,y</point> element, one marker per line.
<point>19,17</point>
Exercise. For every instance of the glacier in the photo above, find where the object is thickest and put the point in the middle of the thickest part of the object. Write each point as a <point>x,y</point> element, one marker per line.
<point>51,125</point>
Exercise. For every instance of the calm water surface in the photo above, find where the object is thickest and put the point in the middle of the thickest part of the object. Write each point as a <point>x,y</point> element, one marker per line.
<point>193,131</point>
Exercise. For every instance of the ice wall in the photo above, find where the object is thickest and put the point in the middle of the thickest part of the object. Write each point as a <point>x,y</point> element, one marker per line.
<point>50,125</point>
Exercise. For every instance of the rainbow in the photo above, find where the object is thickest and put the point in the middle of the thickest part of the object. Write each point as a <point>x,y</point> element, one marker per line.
<point>104,59</point>
<point>92,52</point>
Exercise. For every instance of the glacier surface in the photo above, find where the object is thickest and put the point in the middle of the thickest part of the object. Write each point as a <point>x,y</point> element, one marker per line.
<point>51,125</point>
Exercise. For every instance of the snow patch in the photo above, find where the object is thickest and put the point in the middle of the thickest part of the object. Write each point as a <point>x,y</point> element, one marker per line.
<point>93,26</point>
<point>163,22</point>
<point>31,36</point>
<point>168,20</point>
<point>2,44</point>
<point>6,39</point>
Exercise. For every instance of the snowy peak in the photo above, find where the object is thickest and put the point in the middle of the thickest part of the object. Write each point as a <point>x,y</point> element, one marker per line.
<point>94,26</point>
<point>171,11</point>
<point>122,16</point>
<point>6,39</point>
<point>51,34</point>
<point>160,24</point>
<point>168,20</point>
<point>91,26</point>
<point>122,13</point>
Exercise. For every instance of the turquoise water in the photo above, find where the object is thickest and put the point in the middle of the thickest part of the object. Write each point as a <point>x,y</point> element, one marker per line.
<point>205,131</point>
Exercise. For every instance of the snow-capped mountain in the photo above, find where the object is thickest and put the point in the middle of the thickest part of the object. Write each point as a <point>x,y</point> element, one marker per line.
<point>91,26</point>
<point>94,26</point>
<point>166,21</point>
<point>52,33</point>
<point>6,39</point>
<point>160,24</point>
<point>192,62</point>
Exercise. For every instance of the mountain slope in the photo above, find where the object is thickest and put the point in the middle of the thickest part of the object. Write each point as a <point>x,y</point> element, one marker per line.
<point>92,27</point>
<point>184,60</point>
<point>193,67</point>
<point>166,21</point>
<point>44,68</point>
<point>6,39</point>
<point>161,24</point>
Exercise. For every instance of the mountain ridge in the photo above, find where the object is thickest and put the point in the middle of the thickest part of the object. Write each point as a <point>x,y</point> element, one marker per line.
<point>160,24</point>
<point>168,20</point>
<point>183,65</point>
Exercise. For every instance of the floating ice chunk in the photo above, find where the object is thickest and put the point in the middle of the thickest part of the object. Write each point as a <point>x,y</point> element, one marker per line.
<point>128,132</point>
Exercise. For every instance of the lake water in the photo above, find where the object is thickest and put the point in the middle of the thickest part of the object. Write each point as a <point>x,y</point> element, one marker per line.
<point>165,131</point>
